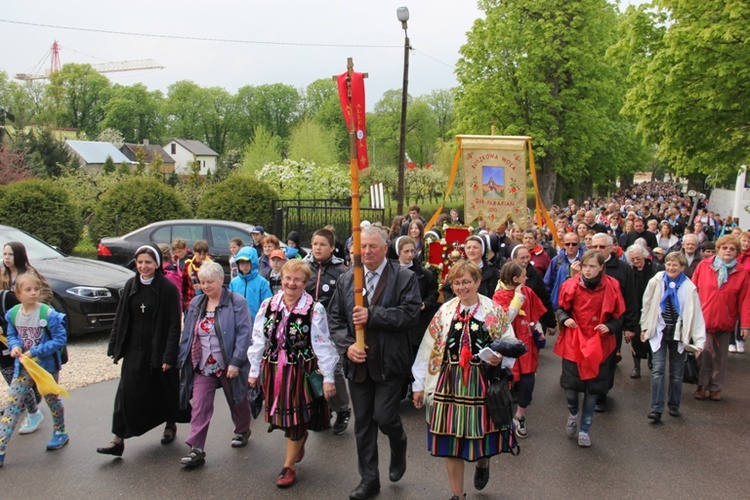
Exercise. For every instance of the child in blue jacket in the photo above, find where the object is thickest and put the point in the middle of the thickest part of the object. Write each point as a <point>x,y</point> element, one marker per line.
<point>249,283</point>
<point>30,334</point>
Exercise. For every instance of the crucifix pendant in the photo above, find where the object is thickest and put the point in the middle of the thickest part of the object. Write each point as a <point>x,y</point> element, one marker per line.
<point>143,308</point>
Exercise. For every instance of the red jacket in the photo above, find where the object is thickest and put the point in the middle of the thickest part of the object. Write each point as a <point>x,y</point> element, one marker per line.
<point>540,259</point>
<point>584,345</point>
<point>522,326</point>
<point>722,306</point>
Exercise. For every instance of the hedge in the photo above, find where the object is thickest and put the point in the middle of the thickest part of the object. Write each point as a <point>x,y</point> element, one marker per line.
<point>240,198</point>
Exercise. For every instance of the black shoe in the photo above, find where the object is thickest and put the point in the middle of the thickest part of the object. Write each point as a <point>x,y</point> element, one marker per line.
<point>365,491</point>
<point>398,460</point>
<point>342,422</point>
<point>481,476</point>
<point>650,364</point>
<point>114,449</point>
<point>170,432</point>
<point>674,412</point>
<point>601,404</point>
<point>636,373</point>
<point>655,416</point>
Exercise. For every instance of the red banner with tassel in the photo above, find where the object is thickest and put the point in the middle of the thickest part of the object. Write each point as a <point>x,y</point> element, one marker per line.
<point>357,104</point>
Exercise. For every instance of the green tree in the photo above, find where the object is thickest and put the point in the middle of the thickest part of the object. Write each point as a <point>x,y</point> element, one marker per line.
<point>321,103</point>
<point>140,162</point>
<point>241,198</point>
<point>443,107</point>
<point>79,95</point>
<point>157,167</point>
<point>181,109</point>
<point>109,165</point>
<point>691,63</point>
<point>265,148</point>
<point>313,143</point>
<point>135,112</point>
<point>274,106</point>
<point>538,68</point>
<point>45,155</point>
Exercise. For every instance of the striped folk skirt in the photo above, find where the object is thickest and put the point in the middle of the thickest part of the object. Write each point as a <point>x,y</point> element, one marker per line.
<point>459,424</point>
<point>294,408</point>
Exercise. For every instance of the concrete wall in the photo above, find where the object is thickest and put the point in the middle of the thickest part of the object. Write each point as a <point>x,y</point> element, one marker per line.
<point>722,201</point>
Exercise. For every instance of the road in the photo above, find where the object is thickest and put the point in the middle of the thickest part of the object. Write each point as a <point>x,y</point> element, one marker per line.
<point>699,455</point>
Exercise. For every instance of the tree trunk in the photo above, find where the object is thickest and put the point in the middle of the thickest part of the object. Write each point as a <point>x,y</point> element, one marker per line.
<point>547,183</point>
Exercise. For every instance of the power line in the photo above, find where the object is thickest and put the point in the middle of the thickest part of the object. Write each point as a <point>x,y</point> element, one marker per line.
<point>196,38</point>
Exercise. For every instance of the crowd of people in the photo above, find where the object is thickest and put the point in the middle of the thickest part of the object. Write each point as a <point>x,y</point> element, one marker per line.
<point>639,271</point>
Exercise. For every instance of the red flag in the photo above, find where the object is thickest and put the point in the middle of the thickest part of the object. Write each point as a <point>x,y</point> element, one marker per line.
<point>358,105</point>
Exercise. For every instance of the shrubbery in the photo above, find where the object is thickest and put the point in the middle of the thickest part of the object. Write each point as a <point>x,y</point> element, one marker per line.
<point>44,209</point>
<point>240,198</point>
<point>134,203</point>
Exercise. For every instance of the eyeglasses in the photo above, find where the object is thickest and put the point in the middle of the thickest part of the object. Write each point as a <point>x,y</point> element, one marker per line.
<point>571,244</point>
<point>598,247</point>
<point>461,284</point>
<point>296,281</point>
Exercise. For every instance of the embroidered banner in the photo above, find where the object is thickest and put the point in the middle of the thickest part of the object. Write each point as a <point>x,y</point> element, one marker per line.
<point>494,178</point>
<point>357,104</point>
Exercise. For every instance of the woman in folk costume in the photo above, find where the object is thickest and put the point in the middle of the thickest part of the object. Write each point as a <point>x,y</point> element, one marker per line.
<point>451,380</point>
<point>524,308</point>
<point>590,306</point>
<point>290,343</point>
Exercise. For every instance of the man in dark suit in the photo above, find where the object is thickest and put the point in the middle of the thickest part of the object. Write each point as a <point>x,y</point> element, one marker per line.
<point>639,231</point>
<point>376,374</point>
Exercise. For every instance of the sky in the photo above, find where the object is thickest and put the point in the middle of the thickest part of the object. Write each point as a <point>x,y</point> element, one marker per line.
<point>302,40</point>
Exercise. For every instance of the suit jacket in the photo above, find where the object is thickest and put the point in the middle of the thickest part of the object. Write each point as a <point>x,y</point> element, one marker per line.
<point>395,310</point>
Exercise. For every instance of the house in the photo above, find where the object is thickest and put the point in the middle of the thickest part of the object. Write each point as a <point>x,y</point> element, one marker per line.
<point>150,153</point>
<point>92,154</point>
<point>185,151</point>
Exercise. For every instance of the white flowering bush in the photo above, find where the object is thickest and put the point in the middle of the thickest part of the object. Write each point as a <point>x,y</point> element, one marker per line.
<point>303,179</point>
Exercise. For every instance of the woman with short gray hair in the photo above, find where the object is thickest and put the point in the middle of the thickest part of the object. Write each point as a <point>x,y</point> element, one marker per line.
<point>215,338</point>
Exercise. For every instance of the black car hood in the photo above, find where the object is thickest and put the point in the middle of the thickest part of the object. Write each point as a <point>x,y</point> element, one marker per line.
<point>83,271</point>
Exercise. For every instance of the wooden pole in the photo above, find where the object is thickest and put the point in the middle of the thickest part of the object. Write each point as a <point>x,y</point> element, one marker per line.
<point>356,253</point>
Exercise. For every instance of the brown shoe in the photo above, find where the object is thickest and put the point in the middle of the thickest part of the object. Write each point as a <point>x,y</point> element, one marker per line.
<point>286,478</point>
<point>700,393</point>
<point>714,396</point>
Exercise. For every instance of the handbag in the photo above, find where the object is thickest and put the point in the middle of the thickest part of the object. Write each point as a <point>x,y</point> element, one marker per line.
<point>691,372</point>
<point>500,404</point>
<point>255,395</point>
<point>315,381</point>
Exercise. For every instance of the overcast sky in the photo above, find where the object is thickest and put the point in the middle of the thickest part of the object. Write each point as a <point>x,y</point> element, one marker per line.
<point>437,29</point>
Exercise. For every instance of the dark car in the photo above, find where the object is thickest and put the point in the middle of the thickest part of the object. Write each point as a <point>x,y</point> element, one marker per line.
<point>218,233</point>
<point>87,291</point>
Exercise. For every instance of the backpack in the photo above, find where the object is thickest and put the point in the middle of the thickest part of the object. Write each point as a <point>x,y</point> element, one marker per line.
<point>43,314</point>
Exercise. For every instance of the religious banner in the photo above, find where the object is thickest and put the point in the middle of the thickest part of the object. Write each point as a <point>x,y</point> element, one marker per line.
<point>355,104</point>
<point>494,178</point>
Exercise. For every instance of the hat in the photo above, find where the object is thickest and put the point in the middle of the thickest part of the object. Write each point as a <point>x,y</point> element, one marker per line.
<point>278,254</point>
<point>258,229</point>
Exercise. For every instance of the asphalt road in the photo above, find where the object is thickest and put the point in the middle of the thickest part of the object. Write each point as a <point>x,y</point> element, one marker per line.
<point>702,454</point>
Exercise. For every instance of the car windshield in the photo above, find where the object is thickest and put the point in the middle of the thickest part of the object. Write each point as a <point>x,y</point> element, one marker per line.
<point>35,249</point>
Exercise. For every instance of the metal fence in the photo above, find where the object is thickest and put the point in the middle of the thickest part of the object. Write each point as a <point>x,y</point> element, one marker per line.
<point>307,216</point>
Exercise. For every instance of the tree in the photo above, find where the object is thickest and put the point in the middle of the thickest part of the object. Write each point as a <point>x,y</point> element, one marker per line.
<point>297,179</point>
<point>274,106</point>
<point>443,107</point>
<point>45,155</point>
<point>265,148</point>
<point>140,162</point>
<point>690,72</point>
<point>182,110</point>
<point>13,166</point>
<point>113,136</point>
<point>321,103</point>
<point>79,95</point>
<point>313,143</point>
<point>241,198</point>
<point>109,165</point>
<point>135,112</point>
<point>538,68</point>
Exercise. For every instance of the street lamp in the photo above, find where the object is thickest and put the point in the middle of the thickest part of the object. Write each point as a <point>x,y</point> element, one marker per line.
<point>402,13</point>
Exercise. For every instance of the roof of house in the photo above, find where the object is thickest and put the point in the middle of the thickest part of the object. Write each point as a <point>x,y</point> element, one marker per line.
<point>150,150</point>
<point>196,147</point>
<point>97,152</point>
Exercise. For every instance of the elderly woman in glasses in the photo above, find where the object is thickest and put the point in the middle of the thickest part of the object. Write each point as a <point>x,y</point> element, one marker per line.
<point>292,348</point>
<point>451,380</point>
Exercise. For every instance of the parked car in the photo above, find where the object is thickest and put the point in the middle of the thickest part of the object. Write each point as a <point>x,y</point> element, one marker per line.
<point>218,234</point>
<point>86,290</point>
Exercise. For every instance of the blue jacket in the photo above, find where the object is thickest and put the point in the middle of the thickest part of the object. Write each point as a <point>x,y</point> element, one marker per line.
<point>252,286</point>
<point>233,327</point>
<point>53,339</point>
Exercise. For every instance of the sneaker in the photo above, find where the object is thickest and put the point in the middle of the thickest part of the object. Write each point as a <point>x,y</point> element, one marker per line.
<point>195,458</point>
<point>520,424</point>
<point>342,422</point>
<point>732,348</point>
<point>572,426</point>
<point>59,439</point>
<point>240,440</point>
<point>584,441</point>
<point>31,423</point>
<point>740,346</point>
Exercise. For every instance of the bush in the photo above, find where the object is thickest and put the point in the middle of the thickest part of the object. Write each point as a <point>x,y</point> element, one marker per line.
<point>42,208</point>
<point>240,198</point>
<point>134,203</point>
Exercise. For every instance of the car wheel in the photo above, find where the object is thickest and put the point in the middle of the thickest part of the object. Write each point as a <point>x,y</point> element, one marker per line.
<point>58,306</point>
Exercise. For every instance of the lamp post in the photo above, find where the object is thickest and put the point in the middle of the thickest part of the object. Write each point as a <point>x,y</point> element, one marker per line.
<point>402,13</point>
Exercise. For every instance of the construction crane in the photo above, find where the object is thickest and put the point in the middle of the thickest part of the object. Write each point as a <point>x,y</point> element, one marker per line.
<point>110,67</point>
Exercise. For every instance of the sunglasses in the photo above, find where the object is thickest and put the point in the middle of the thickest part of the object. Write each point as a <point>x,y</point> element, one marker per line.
<point>598,247</point>
<point>571,244</point>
